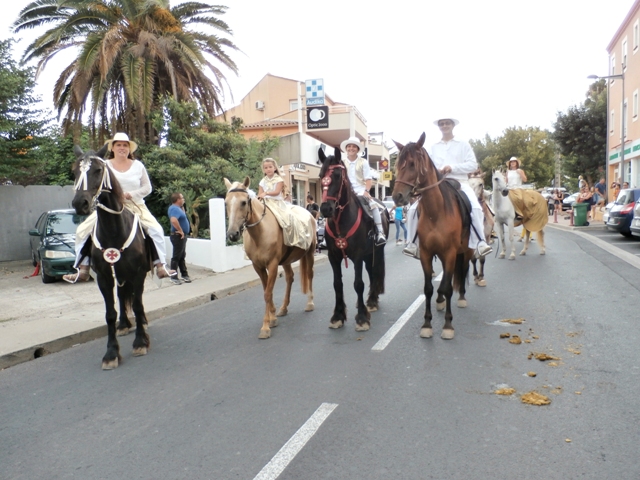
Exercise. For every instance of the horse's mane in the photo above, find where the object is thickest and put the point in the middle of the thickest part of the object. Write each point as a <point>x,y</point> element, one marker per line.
<point>116,188</point>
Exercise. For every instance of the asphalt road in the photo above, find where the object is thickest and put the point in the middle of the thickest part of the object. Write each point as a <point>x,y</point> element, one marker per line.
<point>211,401</point>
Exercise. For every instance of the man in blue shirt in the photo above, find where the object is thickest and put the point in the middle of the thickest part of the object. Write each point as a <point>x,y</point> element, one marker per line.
<point>180,229</point>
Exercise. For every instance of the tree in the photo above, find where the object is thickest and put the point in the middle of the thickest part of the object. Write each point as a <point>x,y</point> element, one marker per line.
<point>131,53</point>
<point>199,153</point>
<point>581,134</point>
<point>533,147</point>
<point>22,123</point>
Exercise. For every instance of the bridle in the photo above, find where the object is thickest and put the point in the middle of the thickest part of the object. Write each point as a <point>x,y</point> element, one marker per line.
<point>250,212</point>
<point>340,240</point>
<point>416,189</point>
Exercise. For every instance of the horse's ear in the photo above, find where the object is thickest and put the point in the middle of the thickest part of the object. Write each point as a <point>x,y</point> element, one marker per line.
<point>78,151</point>
<point>421,140</point>
<point>337,153</point>
<point>399,146</point>
<point>103,151</point>
<point>247,181</point>
<point>227,184</point>
<point>321,155</point>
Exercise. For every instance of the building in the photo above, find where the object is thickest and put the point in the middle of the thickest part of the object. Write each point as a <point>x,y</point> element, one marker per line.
<point>624,63</point>
<point>277,106</point>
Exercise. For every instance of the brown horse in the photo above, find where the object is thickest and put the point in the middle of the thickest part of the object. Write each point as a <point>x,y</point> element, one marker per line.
<point>264,245</point>
<point>443,228</point>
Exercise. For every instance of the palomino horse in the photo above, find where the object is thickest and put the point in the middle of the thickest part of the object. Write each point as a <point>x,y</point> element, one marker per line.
<point>443,228</point>
<point>477,184</point>
<point>264,245</point>
<point>119,251</point>
<point>348,234</point>
<point>531,205</point>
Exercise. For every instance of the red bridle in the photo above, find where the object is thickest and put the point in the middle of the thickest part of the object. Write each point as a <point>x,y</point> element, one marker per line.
<point>340,240</point>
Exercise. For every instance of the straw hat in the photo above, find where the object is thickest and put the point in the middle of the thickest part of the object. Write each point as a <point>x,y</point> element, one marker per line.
<point>122,137</point>
<point>513,159</point>
<point>351,141</point>
<point>454,120</point>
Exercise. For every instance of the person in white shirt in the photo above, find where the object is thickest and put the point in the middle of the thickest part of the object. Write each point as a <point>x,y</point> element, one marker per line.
<point>359,174</point>
<point>515,175</point>
<point>455,159</point>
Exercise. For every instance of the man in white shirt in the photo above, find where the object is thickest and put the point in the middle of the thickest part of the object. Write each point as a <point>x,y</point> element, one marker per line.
<point>360,177</point>
<point>455,159</point>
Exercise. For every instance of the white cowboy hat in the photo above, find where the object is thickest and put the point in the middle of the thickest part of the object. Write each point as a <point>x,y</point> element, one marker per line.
<point>513,159</point>
<point>351,141</point>
<point>122,137</point>
<point>454,120</point>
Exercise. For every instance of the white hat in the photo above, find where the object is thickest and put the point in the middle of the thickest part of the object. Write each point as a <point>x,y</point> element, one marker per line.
<point>351,141</point>
<point>122,137</point>
<point>513,159</point>
<point>454,120</point>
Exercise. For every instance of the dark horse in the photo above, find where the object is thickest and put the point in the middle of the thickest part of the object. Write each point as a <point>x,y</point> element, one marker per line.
<point>349,234</point>
<point>119,251</point>
<point>443,228</point>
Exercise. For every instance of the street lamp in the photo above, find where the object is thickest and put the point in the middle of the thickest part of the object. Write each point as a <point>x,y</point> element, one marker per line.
<point>624,117</point>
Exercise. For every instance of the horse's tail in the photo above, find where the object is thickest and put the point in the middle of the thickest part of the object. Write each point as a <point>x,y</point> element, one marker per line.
<point>460,272</point>
<point>306,269</point>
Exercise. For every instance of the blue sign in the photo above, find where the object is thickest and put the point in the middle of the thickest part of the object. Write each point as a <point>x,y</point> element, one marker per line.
<point>314,92</point>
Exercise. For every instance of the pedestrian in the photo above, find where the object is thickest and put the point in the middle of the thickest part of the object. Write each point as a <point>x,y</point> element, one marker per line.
<point>134,180</point>
<point>625,185</point>
<point>360,177</point>
<point>557,201</point>
<point>600,195</point>
<point>615,190</point>
<point>312,207</point>
<point>455,159</point>
<point>551,203</point>
<point>180,229</point>
<point>399,213</point>
<point>581,182</point>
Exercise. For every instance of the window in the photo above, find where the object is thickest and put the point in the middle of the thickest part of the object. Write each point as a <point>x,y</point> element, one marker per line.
<point>612,122</point>
<point>634,106</point>
<point>613,68</point>
<point>623,119</point>
<point>293,105</point>
<point>636,35</point>
<point>624,54</point>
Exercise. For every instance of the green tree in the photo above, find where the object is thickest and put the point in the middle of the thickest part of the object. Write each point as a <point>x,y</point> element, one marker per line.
<point>131,53</point>
<point>22,122</point>
<point>581,134</point>
<point>533,147</point>
<point>199,153</point>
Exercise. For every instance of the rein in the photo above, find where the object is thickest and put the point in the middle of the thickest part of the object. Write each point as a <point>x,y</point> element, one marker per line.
<point>246,219</point>
<point>340,240</point>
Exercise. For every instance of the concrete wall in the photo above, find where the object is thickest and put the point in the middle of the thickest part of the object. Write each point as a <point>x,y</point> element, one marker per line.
<point>20,208</point>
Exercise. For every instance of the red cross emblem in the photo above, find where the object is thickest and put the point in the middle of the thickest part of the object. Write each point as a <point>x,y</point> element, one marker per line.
<point>111,255</point>
<point>341,243</point>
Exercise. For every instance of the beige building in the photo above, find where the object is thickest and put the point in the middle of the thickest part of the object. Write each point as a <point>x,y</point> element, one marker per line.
<point>276,106</point>
<point>624,63</point>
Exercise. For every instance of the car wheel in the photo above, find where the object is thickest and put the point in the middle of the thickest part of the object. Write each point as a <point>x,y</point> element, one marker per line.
<point>46,278</point>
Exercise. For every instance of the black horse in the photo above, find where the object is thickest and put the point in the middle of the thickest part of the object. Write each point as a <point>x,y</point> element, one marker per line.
<point>118,249</point>
<point>350,233</point>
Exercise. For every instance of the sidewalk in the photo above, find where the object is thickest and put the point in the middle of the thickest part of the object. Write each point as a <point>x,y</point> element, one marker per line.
<point>37,319</point>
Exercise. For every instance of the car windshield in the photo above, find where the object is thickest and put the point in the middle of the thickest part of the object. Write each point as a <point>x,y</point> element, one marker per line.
<point>61,223</point>
<point>625,197</point>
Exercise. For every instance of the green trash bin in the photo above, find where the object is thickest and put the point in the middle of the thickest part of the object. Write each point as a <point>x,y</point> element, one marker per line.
<point>580,213</point>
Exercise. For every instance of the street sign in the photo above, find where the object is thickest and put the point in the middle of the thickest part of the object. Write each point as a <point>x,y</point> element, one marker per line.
<point>317,117</point>
<point>314,90</point>
<point>387,176</point>
<point>384,164</point>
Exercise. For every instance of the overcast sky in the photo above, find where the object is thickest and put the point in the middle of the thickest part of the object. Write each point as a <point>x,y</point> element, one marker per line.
<point>492,64</point>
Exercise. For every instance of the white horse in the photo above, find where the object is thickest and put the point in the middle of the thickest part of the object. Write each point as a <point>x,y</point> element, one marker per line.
<point>506,215</point>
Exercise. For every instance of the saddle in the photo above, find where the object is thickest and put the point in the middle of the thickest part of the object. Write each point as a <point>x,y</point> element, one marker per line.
<point>366,208</point>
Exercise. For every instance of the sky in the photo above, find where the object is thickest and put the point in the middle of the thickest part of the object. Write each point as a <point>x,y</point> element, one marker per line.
<point>492,64</point>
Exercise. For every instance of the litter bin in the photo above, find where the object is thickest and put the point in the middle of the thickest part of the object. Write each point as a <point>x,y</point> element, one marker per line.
<point>580,213</point>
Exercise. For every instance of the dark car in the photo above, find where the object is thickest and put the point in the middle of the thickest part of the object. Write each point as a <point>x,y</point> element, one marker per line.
<point>569,200</point>
<point>621,213</point>
<point>53,243</point>
<point>635,223</point>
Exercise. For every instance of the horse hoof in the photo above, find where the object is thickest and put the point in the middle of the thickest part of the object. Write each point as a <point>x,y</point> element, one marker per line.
<point>336,324</point>
<point>273,323</point>
<point>373,308</point>
<point>542,252</point>
<point>140,351</point>
<point>462,304</point>
<point>440,306</point>
<point>121,332</point>
<point>502,255</point>
<point>512,257</point>
<point>523,253</point>
<point>481,283</point>
<point>281,313</point>
<point>110,365</point>
<point>362,328</point>
<point>426,332</point>
<point>448,334</point>
<point>310,307</point>
<point>264,334</point>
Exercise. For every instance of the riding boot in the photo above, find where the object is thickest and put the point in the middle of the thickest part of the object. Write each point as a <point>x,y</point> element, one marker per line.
<point>411,250</point>
<point>163,272</point>
<point>380,238</point>
<point>82,275</point>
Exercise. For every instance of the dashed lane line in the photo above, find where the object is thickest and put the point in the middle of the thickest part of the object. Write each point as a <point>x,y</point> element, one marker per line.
<point>395,328</point>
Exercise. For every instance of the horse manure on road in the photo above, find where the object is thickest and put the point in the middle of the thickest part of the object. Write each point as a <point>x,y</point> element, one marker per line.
<point>516,340</point>
<point>505,335</point>
<point>505,391</point>
<point>531,374</point>
<point>543,357</point>
<point>535,398</point>
<point>513,321</point>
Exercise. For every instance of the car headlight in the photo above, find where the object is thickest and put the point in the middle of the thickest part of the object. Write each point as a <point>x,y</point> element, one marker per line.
<point>58,254</point>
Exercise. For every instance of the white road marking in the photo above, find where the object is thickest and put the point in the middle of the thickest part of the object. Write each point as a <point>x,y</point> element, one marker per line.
<point>395,328</point>
<point>281,460</point>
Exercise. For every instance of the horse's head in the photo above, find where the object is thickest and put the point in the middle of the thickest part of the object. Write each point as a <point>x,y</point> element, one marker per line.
<point>238,205</point>
<point>92,176</point>
<point>477,185</point>
<point>411,169</point>
<point>499,183</point>
<point>336,188</point>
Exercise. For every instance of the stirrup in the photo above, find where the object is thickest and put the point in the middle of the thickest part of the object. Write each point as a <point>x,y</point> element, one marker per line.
<point>381,239</point>
<point>163,272</point>
<point>81,274</point>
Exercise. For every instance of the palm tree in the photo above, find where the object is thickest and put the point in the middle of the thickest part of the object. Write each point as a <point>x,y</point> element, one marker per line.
<point>131,54</point>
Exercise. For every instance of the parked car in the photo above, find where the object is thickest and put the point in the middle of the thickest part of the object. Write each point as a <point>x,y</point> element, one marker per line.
<point>391,207</point>
<point>53,243</point>
<point>621,213</point>
<point>569,200</point>
<point>635,223</point>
